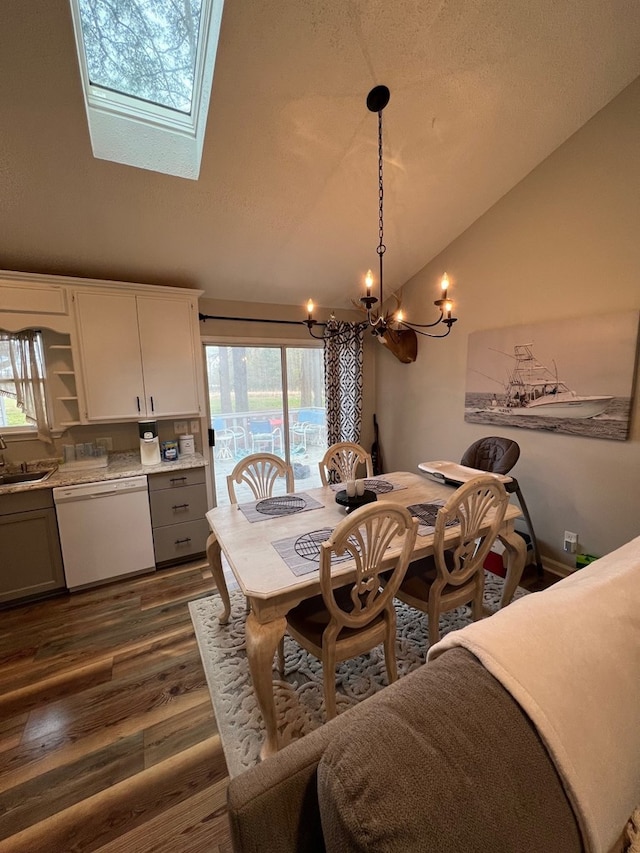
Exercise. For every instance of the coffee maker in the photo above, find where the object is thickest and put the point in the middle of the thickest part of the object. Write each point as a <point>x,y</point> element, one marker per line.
<point>149,442</point>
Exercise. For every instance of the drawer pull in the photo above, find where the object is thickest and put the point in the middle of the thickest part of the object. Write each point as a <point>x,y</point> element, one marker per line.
<point>177,479</point>
<point>182,541</point>
<point>180,506</point>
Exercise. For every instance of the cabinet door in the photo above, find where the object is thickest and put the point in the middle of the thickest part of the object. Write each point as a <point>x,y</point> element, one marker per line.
<point>110,356</point>
<point>31,560</point>
<point>168,356</point>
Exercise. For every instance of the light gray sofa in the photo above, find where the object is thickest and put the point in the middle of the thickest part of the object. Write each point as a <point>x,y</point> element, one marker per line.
<point>442,761</point>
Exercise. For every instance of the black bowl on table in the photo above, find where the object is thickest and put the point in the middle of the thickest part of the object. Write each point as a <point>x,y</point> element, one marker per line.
<point>356,501</point>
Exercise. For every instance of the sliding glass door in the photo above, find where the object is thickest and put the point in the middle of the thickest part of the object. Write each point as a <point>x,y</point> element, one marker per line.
<point>266,399</point>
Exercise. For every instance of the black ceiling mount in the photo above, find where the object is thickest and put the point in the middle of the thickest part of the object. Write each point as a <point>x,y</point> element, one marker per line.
<point>378,98</point>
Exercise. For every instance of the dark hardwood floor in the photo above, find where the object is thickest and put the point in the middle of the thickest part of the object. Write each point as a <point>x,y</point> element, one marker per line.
<point>108,741</point>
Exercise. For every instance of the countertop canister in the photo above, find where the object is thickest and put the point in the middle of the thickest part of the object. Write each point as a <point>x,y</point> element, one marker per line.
<point>187,445</point>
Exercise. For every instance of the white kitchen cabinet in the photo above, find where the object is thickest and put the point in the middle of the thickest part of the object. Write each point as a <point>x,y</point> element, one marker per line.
<point>138,355</point>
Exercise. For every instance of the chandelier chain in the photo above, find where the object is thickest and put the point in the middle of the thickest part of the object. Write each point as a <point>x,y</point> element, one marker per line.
<point>381,246</point>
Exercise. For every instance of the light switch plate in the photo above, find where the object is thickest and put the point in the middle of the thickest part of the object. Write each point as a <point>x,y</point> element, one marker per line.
<point>195,427</point>
<point>180,427</point>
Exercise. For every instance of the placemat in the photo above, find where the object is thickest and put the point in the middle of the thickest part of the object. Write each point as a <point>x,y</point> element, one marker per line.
<point>278,506</point>
<point>302,553</point>
<point>379,485</point>
<point>426,514</point>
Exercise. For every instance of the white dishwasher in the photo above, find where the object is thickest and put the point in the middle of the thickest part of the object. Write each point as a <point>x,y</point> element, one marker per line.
<point>105,530</point>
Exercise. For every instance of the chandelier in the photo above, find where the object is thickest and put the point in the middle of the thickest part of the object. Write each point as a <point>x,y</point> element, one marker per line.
<point>391,328</point>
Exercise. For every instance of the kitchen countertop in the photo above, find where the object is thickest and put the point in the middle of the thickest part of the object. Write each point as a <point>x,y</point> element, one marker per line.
<point>119,465</point>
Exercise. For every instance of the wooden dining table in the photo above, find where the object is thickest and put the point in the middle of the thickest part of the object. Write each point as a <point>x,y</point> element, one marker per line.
<point>247,535</point>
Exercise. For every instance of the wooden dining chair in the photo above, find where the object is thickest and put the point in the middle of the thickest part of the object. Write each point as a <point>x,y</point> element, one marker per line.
<point>348,621</point>
<point>260,472</point>
<point>343,458</point>
<point>466,528</point>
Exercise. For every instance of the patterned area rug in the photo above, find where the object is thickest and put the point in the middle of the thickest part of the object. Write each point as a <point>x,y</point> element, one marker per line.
<point>299,695</point>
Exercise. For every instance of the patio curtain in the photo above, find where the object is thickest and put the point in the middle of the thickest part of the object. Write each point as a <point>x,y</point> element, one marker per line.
<point>343,382</point>
<point>22,378</point>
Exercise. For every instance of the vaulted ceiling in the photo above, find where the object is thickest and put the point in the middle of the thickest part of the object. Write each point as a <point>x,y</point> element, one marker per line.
<point>286,203</point>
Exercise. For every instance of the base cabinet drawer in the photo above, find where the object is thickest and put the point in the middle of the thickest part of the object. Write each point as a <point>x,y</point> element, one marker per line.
<point>176,542</point>
<point>175,506</point>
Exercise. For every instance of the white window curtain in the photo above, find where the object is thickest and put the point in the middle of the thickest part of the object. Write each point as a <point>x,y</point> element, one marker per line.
<point>343,355</point>
<point>23,379</point>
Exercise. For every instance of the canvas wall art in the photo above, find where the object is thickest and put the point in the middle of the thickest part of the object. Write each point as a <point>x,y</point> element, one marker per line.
<point>571,376</point>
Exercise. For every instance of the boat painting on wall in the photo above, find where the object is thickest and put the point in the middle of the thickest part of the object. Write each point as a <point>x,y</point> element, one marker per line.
<point>568,376</point>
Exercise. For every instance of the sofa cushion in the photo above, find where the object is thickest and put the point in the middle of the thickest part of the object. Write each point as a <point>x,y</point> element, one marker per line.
<point>444,760</point>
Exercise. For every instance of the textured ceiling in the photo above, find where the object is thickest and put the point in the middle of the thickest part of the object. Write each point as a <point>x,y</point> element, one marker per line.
<point>286,204</point>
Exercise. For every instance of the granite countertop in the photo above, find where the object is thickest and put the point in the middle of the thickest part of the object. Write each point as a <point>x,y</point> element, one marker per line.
<point>119,465</point>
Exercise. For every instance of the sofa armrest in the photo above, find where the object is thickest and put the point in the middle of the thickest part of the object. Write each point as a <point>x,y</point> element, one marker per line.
<point>274,806</point>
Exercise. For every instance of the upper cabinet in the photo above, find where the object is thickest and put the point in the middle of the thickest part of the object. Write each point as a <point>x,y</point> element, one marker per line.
<point>113,351</point>
<point>138,355</point>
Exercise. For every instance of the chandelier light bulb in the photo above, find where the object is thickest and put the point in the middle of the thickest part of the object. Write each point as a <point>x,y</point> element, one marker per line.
<point>445,285</point>
<point>399,316</point>
<point>310,308</point>
<point>368,280</point>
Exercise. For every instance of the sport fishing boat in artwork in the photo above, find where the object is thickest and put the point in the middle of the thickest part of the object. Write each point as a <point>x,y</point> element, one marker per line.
<point>534,389</point>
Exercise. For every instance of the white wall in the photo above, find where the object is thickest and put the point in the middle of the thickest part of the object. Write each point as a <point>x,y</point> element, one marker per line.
<point>563,243</point>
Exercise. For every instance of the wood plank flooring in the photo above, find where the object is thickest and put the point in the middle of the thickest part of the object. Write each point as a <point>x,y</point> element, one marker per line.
<point>108,741</point>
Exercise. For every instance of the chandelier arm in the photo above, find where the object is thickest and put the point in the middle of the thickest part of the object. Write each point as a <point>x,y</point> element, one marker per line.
<point>423,325</point>
<point>427,334</point>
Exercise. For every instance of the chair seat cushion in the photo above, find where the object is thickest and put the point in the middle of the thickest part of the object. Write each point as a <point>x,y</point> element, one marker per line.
<point>311,617</point>
<point>420,576</point>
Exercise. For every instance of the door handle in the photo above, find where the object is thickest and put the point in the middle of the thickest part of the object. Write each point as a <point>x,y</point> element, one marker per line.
<point>180,506</point>
<point>152,408</point>
<point>138,402</point>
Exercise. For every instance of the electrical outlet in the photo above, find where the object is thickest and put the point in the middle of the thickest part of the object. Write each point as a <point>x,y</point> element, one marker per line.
<point>570,542</point>
<point>195,427</point>
<point>180,427</point>
<point>107,443</point>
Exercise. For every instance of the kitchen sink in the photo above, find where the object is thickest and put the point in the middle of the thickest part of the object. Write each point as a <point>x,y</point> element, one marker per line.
<point>25,477</point>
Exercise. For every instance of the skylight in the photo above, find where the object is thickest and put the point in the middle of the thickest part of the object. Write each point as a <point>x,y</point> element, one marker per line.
<point>147,68</point>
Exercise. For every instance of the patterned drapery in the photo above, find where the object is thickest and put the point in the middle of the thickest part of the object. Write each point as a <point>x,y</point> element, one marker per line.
<point>343,381</point>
